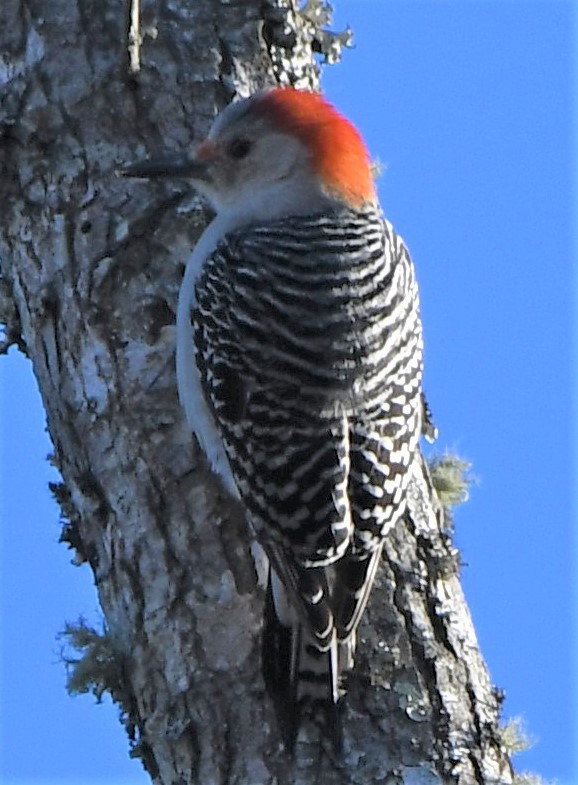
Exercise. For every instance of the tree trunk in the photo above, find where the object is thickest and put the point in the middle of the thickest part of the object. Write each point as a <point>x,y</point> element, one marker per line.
<point>91,265</point>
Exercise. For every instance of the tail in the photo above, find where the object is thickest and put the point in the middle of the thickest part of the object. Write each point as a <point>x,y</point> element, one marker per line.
<point>309,635</point>
<point>301,669</point>
<point>354,577</point>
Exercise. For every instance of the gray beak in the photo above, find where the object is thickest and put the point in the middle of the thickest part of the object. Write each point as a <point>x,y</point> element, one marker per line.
<point>176,165</point>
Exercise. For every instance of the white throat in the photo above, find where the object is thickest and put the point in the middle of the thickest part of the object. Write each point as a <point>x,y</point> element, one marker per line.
<point>269,202</point>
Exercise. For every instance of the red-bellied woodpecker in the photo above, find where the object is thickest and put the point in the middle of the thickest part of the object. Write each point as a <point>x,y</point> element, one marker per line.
<point>299,364</point>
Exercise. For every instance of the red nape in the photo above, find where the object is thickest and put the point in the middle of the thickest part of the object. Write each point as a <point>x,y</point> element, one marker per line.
<point>338,153</point>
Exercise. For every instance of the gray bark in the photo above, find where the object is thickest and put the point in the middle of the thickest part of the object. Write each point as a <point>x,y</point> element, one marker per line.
<point>91,265</point>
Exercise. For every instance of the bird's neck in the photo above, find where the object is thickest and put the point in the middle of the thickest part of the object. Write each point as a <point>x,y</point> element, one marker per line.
<point>282,199</point>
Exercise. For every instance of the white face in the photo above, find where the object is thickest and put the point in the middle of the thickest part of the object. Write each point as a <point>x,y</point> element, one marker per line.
<point>253,167</point>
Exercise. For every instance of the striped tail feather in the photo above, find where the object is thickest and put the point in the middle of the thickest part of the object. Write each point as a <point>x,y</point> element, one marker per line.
<point>300,669</point>
<point>354,577</point>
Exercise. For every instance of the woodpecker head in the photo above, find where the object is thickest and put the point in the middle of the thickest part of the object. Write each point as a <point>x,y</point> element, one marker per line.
<point>280,152</point>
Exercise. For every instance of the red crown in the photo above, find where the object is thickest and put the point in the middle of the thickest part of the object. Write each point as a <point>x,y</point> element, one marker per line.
<point>338,154</point>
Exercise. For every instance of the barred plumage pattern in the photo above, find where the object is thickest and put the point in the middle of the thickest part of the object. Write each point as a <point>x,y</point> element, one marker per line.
<point>309,339</point>
<point>309,344</point>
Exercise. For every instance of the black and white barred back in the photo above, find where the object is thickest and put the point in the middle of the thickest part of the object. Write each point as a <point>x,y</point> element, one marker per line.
<point>309,340</point>
<point>309,344</point>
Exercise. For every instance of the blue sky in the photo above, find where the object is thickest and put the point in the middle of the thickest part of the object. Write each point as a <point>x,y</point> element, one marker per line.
<point>468,106</point>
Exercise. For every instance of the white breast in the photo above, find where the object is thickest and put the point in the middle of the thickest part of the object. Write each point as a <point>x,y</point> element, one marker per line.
<point>197,410</point>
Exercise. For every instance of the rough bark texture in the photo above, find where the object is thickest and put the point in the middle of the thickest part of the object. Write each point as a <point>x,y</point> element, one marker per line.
<point>91,266</point>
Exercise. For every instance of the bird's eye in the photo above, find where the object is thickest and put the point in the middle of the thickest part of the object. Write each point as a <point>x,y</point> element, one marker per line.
<point>239,148</point>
